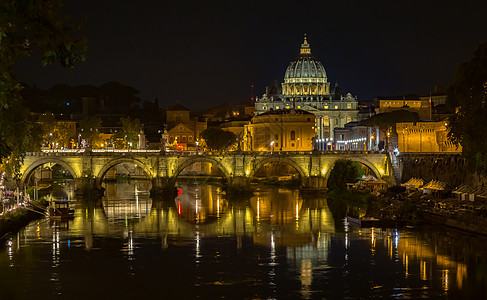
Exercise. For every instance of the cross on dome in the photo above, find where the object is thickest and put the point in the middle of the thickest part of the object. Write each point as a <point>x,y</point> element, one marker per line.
<point>305,49</point>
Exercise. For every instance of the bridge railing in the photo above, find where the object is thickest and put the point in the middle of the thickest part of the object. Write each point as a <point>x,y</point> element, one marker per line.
<point>197,153</point>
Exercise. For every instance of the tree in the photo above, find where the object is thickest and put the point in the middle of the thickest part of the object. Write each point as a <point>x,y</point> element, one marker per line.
<point>344,171</point>
<point>129,135</point>
<point>468,93</point>
<point>26,25</point>
<point>218,139</point>
<point>90,130</point>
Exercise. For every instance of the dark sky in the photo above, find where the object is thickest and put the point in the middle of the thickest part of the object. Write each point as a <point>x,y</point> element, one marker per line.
<point>204,53</point>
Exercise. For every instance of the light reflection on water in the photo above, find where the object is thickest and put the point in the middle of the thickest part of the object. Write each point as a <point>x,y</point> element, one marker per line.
<point>276,244</point>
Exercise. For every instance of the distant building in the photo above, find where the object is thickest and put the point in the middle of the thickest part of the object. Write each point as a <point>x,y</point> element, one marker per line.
<point>237,126</point>
<point>428,107</point>
<point>424,137</point>
<point>280,130</point>
<point>183,131</point>
<point>306,87</point>
<point>354,137</point>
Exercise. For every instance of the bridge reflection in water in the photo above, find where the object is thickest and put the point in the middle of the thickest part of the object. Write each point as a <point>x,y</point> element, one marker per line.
<point>272,216</point>
<point>276,230</point>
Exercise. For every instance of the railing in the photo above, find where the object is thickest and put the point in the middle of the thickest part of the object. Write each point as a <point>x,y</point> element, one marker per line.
<point>57,152</point>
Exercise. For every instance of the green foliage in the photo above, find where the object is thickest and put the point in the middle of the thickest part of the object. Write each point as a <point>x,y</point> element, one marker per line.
<point>128,137</point>
<point>218,139</point>
<point>89,130</point>
<point>26,25</point>
<point>344,171</point>
<point>469,92</point>
<point>53,131</point>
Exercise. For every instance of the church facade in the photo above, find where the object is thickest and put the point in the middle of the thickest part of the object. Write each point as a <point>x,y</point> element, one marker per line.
<point>306,87</point>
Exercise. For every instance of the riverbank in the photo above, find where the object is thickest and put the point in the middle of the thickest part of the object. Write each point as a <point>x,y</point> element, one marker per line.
<point>416,208</point>
<point>16,219</point>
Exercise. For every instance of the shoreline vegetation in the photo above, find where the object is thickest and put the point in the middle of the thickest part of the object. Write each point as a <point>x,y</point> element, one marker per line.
<point>396,205</point>
<point>13,221</point>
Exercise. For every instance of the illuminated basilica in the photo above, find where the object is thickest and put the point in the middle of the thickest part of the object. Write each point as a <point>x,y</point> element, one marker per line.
<point>306,87</point>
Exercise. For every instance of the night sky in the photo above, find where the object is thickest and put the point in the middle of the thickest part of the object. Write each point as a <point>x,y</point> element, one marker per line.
<point>204,53</point>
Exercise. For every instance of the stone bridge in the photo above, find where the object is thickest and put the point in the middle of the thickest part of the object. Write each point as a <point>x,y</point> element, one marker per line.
<point>90,166</point>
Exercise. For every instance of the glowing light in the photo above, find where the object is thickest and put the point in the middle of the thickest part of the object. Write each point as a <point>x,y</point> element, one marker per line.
<point>258,209</point>
<point>247,172</point>
<point>381,171</point>
<point>323,171</point>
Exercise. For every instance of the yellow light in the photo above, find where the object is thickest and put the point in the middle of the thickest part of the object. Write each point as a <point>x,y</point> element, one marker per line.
<point>323,171</point>
<point>247,172</point>
<point>381,171</point>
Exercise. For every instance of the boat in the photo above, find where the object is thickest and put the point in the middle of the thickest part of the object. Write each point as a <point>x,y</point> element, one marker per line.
<point>368,222</point>
<point>364,222</point>
<point>60,210</point>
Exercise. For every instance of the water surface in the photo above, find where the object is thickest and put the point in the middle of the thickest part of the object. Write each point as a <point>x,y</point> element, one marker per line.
<point>275,245</point>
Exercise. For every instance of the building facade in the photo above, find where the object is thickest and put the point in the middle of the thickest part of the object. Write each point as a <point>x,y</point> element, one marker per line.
<point>183,131</point>
<point>306,87</point>
<point>424,137</point>
<point>280,130</point>
<point>356,137</point>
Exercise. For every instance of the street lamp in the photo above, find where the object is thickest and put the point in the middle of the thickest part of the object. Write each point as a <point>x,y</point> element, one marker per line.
<point>272,146</point>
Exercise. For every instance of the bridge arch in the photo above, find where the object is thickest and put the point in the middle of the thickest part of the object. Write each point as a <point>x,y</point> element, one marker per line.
<point>121,160</point>
<point>76,173</point>
<point>260,163</point>
<point>376,172</point>
<point>189,161</point>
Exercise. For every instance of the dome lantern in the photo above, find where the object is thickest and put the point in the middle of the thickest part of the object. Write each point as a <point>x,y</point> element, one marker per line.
<point>305,75</point>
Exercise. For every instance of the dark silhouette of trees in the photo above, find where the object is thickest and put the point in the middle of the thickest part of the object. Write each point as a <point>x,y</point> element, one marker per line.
<point>468,93</point>
<point>218,139</point>
<point>344,171</point>
<point>24,26</point>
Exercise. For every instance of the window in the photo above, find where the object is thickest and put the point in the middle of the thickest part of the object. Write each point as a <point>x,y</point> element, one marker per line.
<point>276,119</point>
<point>178,119</point>
<point>292,144</point>
<point>299,106</point>
<point>293,136</point>
<point>190,138</point>
<point>326,106</point>
<point>276,137</point>
<point>326,121</point>
<point>277,145</point>
<point>349,105</point>
<point>336,106</point>
<point>184,138</point>
<point>308,119</point>
<point>277,106</point>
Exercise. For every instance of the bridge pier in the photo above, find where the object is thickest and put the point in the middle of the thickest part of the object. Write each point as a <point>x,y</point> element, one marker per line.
<point>88,186</point>
<point>240,181</point>
<point>163,187</point>
<point>315,183</point>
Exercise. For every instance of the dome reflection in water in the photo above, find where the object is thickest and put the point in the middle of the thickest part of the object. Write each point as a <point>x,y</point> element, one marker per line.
<point>275,244</point>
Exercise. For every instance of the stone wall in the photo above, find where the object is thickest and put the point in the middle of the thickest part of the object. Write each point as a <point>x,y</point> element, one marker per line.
<point>447,167</point>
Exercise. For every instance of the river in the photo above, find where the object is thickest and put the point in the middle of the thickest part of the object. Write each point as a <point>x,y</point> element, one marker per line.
<point>275,245</point>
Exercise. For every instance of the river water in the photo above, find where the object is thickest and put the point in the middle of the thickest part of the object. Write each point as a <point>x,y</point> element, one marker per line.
<point>275,245</point>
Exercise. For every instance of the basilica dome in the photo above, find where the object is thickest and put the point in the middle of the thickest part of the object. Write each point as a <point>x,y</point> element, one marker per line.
<point>305,65</point>
<point>305,75</point>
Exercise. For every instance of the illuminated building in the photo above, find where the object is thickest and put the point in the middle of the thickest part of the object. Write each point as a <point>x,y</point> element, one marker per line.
<point>306,87</point>
<point>412,103</point>
<point>354,137</point>
<point>424,137</point>
<point>183,130</point>
<point>280,130</point>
